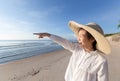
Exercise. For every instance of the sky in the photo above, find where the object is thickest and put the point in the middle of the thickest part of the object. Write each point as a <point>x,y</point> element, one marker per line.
<point>19,19</point>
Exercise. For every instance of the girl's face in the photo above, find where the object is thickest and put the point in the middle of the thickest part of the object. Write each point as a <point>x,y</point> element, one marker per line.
<point>83,39</point>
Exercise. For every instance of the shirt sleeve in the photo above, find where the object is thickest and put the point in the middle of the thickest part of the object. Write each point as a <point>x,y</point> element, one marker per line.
<point>63,42</point>
<point>102,74</point>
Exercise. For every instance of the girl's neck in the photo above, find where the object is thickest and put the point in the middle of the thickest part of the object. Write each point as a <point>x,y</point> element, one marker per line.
<point>89,49</point>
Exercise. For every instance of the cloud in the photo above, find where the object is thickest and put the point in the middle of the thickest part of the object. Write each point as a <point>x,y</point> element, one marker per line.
<point>15,29</point>
<point>6,26</point>
<point>45,13</point>
<point>13,2</point>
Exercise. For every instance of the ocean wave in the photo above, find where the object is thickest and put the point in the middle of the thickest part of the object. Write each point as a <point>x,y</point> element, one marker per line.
<point>23,49</point>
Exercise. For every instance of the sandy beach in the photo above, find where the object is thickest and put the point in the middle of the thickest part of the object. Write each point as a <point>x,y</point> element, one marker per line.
<point>52,66</point>
<point>44,67</point>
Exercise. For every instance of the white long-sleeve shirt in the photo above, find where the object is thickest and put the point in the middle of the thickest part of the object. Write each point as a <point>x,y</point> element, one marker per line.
<point>83,66</point>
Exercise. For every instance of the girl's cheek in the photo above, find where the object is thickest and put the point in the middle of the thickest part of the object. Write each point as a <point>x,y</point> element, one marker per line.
<point>78,38</point>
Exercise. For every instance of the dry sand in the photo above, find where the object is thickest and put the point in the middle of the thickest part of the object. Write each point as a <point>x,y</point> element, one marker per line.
<point>114,58</point>
<point>52,66</point>
<point>45,67</point>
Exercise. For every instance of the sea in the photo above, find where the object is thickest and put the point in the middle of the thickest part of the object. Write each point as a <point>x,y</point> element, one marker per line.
<point>11,50</point>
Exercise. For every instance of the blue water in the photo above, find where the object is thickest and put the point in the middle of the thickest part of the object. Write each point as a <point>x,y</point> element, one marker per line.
<point>11,50</point>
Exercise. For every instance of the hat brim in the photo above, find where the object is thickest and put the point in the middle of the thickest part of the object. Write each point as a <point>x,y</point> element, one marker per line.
<point>102,43</point>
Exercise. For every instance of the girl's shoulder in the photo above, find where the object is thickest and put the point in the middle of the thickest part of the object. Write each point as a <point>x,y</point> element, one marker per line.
<point>100,57</point>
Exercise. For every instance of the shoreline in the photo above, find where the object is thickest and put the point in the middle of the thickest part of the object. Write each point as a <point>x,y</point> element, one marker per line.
<point>4,60</point>
<point>50,66</point>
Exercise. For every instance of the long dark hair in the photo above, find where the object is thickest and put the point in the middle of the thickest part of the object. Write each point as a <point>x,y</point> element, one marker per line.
<point>89,36</point>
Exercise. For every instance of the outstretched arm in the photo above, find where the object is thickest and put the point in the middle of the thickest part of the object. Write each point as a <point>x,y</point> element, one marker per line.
<point>61,41</point>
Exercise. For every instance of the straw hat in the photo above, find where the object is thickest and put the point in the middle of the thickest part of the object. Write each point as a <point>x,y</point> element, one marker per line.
<point>96,31</point>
